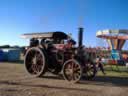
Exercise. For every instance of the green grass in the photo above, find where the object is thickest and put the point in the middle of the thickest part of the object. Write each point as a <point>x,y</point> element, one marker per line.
<point>113,74</point>
<point>115,71</point>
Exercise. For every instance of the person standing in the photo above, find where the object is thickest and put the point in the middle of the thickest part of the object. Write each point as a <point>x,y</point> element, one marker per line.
<point>100,65</point>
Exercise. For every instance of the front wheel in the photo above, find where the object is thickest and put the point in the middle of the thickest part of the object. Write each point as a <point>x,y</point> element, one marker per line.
<point>90,71</point>
<point>72,71</point>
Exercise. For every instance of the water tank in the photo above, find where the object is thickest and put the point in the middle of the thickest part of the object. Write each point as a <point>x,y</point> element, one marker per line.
<point>1,55</point>
<point>13,54</point>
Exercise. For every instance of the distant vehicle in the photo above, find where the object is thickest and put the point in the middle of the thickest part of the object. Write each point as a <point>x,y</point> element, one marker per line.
<point>55,52</point>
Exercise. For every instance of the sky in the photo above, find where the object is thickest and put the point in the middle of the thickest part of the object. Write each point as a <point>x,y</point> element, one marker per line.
<point>26,16</point>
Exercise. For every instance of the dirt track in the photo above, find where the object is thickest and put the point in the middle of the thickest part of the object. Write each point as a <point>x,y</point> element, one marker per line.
<point>15,82</point>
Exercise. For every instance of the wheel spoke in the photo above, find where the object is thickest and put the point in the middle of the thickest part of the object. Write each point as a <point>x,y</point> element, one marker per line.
<point>72,73</point>
<point>34,61</point>
<point>90,71</point>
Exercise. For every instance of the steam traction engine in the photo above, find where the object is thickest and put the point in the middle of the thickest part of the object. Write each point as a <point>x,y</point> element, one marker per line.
<point>56,53</point>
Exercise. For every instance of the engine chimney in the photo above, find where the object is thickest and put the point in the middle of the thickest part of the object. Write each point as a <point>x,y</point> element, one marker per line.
<point>80,37</point>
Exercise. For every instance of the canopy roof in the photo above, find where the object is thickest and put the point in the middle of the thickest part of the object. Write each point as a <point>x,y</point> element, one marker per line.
<point>113,34</point>
<point>113,37</point>
<point>54,35</point>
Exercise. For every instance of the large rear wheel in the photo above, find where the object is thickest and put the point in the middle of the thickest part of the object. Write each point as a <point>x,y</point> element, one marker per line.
<point>35,62</point>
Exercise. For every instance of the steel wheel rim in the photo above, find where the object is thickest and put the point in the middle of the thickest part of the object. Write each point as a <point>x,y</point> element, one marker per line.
<point>90,71</point>
<point>72,71</point>
<point>34,61</point>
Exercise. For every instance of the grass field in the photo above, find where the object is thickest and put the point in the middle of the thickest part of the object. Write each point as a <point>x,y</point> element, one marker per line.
<point>116,71</point>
